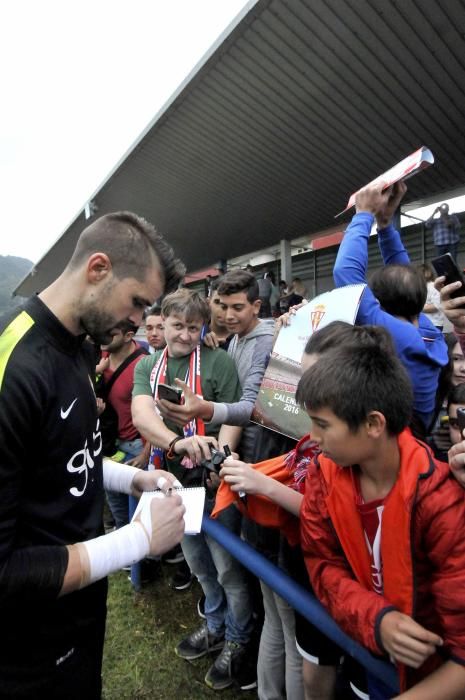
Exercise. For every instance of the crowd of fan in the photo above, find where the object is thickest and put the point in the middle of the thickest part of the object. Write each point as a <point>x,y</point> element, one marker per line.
<point>366,510</point>
<point>383,396</point>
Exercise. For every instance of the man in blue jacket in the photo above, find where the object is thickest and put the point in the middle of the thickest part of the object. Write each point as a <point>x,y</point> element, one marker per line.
<point>396,295</point>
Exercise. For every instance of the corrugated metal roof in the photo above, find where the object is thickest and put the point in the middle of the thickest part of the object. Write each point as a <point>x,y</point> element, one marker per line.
<point>300,104</point>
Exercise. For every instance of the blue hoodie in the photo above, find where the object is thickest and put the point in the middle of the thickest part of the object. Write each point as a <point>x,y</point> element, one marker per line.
<point>421,349</point>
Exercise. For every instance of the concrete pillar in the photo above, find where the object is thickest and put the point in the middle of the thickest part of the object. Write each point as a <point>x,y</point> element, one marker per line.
<point>222,266</point>
<point>286,262</point>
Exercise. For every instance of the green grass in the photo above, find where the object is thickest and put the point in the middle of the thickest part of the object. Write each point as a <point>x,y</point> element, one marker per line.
<point>142,632</point>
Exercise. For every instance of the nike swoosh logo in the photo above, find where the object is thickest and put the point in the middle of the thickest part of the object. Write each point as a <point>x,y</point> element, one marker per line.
<point>65,414</point>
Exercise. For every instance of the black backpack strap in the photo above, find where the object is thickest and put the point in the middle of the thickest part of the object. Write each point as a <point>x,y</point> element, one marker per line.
<point>119,370</point>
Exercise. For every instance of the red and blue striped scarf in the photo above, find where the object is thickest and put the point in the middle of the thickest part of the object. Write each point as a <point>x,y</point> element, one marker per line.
<point>192,379</point>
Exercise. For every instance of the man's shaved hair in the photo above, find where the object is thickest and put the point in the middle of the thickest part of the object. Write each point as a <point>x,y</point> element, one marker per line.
<point>132,245</point>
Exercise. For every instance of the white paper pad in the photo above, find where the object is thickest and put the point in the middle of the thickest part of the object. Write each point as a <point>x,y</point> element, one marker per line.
<point>193,499</point>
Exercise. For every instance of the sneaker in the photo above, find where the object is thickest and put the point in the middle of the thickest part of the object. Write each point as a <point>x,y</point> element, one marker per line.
<point>244,668</point>
<point>199,643</point>
<point>201,607</point>
<point>250,684</point>
<point>245,676</point>
<point>220,674</point>
<point>182,578</point>
<point>174,556</point>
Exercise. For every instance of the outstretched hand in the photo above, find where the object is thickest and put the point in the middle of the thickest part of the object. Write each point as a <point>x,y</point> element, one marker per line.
<point>371,198</point>
<point>396,193</point>
<point>453,307</point>
<point>181,414</point>
<point>285,319</point>
<point>380,201</point>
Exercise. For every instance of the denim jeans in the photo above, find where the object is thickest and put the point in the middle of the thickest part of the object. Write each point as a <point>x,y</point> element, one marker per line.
<point>118,502</point>
<point>279,667</point>
<point>228,606</point>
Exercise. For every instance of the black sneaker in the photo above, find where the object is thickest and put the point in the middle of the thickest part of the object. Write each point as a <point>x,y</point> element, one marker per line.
<point>250,684</point>
<point>201,607</point>
<point>244,668</point>
<point>199,643</point>
<point>245,676</point>
<point>220,674</point>
<point>174,556</point>
<point>182,578</point>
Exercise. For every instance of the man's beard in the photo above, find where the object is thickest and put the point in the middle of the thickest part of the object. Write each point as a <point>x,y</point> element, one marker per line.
<point>112,347</point>
<point>99,326</point>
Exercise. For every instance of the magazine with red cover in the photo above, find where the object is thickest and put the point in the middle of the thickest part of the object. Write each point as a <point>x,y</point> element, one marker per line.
<point>275,407</point>
<point>419,160</point>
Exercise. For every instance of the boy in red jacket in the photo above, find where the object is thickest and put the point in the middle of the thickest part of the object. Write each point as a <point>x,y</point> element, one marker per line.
<point>382,522</point>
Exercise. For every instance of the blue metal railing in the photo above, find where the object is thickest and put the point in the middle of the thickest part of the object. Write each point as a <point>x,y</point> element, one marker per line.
<point>300,599</point>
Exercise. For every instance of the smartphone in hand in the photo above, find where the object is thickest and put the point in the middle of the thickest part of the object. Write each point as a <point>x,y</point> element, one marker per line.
<point>169,393</point>
<point>446,266</point>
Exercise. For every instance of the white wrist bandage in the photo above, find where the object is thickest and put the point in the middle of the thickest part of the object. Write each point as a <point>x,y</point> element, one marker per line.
<point>161,481</point>
<point>111,552</point>
<point>118,477</point>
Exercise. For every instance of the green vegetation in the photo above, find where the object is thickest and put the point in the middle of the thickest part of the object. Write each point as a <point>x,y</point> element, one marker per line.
<point>142,632</point>
<point>12,271</point>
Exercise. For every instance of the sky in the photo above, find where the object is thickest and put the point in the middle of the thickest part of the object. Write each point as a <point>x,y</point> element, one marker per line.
<point>79,82</point>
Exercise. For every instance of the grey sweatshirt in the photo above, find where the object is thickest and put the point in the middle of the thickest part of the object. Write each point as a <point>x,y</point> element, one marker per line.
<point>251,355</point>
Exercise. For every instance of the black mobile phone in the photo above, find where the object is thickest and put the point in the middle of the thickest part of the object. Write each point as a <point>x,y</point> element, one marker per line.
<point>445,266</point>
<point>169,393</point>
<point>461,419</point>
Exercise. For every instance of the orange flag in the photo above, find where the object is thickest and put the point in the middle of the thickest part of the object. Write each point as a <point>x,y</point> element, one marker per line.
<point>260,508</point>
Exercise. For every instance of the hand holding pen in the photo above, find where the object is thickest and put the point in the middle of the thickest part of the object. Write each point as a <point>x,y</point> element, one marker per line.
<point>243,478</point>
<point>227,452</point>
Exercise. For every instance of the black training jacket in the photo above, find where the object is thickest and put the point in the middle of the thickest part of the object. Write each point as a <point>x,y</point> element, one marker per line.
<point>51,490</point>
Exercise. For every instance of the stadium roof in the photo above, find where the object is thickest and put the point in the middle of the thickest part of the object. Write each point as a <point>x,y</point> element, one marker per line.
<point>298,104</point>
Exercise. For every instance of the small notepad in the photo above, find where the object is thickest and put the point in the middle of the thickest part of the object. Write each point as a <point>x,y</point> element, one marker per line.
<point>193,499</point>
